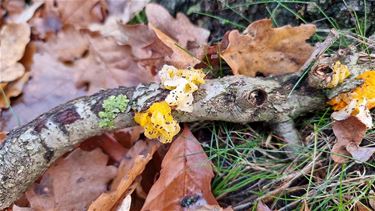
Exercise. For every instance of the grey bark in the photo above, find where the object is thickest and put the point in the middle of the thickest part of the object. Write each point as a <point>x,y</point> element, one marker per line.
<point>29,150</point>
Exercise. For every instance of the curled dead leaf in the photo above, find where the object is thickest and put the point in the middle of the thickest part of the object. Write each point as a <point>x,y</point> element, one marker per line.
<point>349,134</point>
<point>14,38</point>
<point>360,154</point>
<point>13,89</point>
<point>188,36</point>
<point>266,50</point>
<point>180,58</point>
<point>130,168</point>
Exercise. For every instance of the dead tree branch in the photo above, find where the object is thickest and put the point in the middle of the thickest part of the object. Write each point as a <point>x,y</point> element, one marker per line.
<point>29,150</point>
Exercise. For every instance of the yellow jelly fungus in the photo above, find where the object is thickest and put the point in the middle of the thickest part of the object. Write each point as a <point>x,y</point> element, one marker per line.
<point>158,122</point>
<point>364,92</point>
<point>340,72</point>
<point>182,83</point>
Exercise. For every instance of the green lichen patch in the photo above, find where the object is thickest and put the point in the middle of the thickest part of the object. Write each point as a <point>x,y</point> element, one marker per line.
<point>112,106</point>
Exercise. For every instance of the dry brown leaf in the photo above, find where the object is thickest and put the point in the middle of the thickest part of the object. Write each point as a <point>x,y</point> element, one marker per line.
<point>130,168</point>
<point>125,10</point>
<point>13,89</point>
<point>360,154</point>
<point>267,50</point>
<point>13,7</point>
<point>212,208</point>
<point>185,177</point>
<point>305,206</point>
<point>73,182</point>
<point>14,38</point>
<point>108,144</point>
<point>262,207</point>
<point>144,43</point>
<point>3,135</point>
<point>46,25</point>
<point>17,208</point>
<point>348,132</point>
<point>371,199</point>
<point>79,13</point>
<point>109,65</point>
<point>189,37</point>
<point>68,45</point>
<point>128,136</point>
<point>51,84</point>
<point>180,58</point>
<point>359,206</point>
<point>27,13</point>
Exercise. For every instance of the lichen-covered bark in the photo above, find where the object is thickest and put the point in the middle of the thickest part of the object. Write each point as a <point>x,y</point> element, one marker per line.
<point>29,150</point>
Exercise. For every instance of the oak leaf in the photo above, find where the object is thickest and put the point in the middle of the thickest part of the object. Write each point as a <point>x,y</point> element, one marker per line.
<point>73,182</point>
<point>79,13</point>
<point>266,50</point>
<point>180,58</point>
<point>14,38</point>
<point>185,178</point>
<point>179,32</point>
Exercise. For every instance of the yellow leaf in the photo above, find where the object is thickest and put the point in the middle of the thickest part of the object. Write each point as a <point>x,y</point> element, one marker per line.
<point>158,122</point>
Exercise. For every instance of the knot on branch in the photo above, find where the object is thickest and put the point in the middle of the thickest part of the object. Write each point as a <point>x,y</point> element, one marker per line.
<point>252,98</point>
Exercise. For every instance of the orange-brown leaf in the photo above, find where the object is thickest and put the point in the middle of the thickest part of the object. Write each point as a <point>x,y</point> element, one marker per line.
<point>73,182</point>
<point>267,50</point>
<point>79,13</point>
<point>132,166</point>
<point>109,65</point>
<point>180,29</point>
<point>186,175</point>
<point>180,57</point>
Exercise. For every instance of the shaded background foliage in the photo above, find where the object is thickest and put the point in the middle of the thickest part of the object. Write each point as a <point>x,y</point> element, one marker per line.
<point>242,12</point>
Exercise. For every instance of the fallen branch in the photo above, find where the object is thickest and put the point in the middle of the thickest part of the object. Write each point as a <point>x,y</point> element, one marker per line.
<point>29,150</point>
